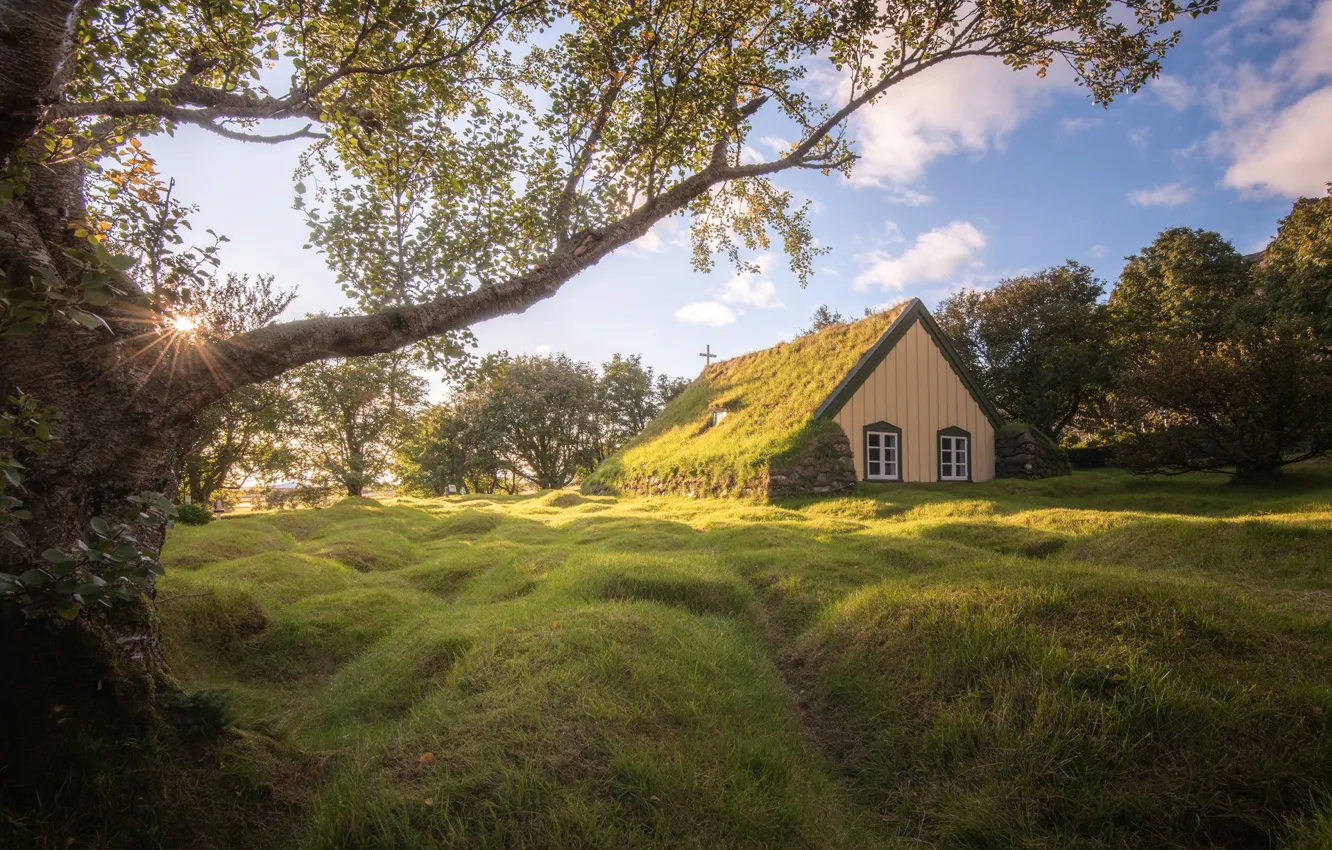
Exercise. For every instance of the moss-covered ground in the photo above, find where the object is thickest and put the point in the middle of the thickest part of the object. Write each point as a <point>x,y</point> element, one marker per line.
<point>1089,662</point>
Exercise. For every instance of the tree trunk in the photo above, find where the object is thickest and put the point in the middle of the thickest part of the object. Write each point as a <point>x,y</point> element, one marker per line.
<point>102,670</point>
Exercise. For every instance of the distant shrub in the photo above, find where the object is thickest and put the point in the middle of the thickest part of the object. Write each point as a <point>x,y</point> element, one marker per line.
<point>193,513</point>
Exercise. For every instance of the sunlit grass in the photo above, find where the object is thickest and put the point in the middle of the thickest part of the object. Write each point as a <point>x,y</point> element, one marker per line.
<point>1095,661</point>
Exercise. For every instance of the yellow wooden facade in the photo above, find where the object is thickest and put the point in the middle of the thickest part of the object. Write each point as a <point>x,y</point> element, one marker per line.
<point>916,389</point>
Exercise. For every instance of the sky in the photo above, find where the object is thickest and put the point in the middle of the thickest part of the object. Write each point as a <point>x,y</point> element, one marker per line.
<point>969,173</point>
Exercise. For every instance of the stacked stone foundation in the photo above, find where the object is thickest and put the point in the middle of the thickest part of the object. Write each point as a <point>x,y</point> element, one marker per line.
<point>1023,453</point>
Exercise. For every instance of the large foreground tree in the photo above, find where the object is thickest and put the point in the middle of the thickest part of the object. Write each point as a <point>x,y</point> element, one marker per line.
<point>554,133</point>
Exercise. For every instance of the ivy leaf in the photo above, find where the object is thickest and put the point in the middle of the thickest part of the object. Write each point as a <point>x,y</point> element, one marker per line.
<point>69,609</point>
<point>55,556</point>
<point>100,526</point>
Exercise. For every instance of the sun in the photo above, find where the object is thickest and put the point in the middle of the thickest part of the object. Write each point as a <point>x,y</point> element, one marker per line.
<point>184,324</point>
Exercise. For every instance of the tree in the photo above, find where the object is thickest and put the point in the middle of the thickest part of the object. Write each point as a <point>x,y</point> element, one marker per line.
<point>1225,361</point>
<point>822,318</point>
<point>668,388</point>
<point>556,151</point>
<point>1187,283</point>
<point>1294,276</point>
<point>443,447</point>
<point>1038,343</point>
<point>1245,406</point>
<point>542,414</point>
<point>348,415</point>
<point>631,395</point>
<point>240,434</point>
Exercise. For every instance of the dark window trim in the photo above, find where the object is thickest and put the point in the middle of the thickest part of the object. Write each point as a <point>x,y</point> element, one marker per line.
<point>885,428</point>
<point>951,431</point>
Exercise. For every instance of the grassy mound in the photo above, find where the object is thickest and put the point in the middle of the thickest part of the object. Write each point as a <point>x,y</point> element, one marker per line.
<point>1021,723</point>
<point>1068,663</point>
<point>769,396</point>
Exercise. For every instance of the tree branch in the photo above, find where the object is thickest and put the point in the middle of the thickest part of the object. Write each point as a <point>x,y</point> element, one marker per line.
<point>212,370</point>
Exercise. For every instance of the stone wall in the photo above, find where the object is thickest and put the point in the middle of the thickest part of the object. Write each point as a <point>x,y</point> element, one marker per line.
<point>1020,452</point>
<point>823,465</point>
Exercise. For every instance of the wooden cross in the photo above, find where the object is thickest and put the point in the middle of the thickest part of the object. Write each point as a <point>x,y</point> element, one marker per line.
<point>708,356</point>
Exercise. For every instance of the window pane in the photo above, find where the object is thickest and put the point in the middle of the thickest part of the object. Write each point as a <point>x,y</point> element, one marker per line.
<point>874,454</point>
<point>873,439</point>
<point>890,469</point>
<point>873,469</point>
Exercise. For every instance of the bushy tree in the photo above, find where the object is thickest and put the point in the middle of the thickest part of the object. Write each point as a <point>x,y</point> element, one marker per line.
<point>1038,343</point>
<point>444,446</point>
<point>631,395</point>
<point>1227,361</point>
<point>1293,279</point>
<point>542,420</point>
<point>1245,406</point>
<point>348,415</point>
<point>542,413</point>
<point>1187,283</point>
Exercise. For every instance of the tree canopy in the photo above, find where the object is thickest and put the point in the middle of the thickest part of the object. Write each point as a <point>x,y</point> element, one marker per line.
<point>1038,343</point>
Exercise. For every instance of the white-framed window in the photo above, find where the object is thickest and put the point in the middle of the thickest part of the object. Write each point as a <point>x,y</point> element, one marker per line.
<point>882,453</point>
<point>954,458</point>
<point>718,416</point>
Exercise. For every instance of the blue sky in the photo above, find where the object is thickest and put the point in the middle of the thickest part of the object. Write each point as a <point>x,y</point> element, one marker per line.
<point>969,173</point>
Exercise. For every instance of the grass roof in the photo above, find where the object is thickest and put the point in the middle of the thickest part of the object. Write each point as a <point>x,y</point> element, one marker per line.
<point>769,396</point>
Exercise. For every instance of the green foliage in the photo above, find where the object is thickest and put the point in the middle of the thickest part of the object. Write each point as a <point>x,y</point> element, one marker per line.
<point>1186,283</point>
<point>347,416</point>
<point>194,513</point>
<point>1224,365</point>
<point>240,436</point>
<point>771,673</point>
<point>770,397</point>
<point>202,714</point>
<point>1248,405</point>
<point>542,414</point>
<point>24,432</point>
<point>1295,272</point>
<point>822,318</point>
<point>1039,344</point>
<point>539,420</point>
<point>110,566</point>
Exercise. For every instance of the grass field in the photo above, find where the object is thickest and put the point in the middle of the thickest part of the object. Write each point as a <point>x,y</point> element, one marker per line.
<point>1089,662</point>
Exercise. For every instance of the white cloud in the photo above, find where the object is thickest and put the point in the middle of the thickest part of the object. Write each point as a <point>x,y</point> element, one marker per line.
<point>1174,92</point>
<point>1076,124</point>
<point>1276,121</point>
<point>1288,154</point>
<point>937,256</point>
<point>753,289</point>
<point>1313,59</point>
<point>710,313</point>
<point>543,350</point>
<point>1140,136</point>
<point>666,233</point>
<point>1169,195</point>
<point>1098,251</point>
<point>964,105</point>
